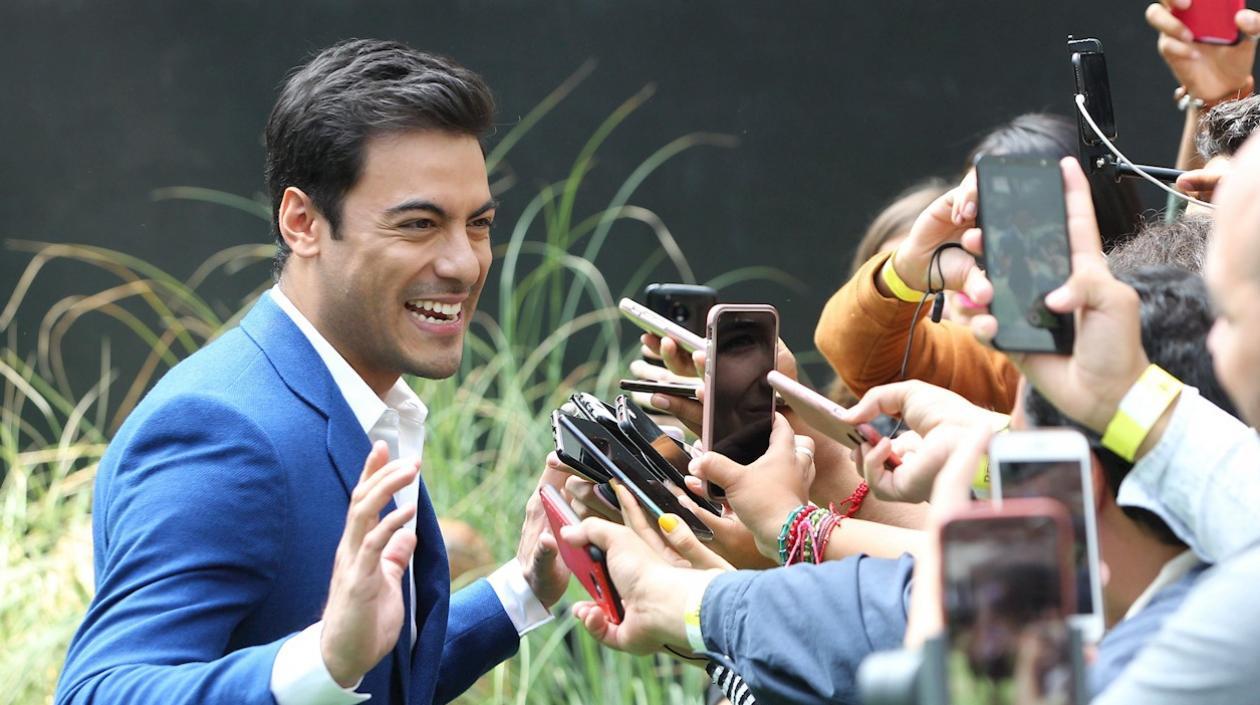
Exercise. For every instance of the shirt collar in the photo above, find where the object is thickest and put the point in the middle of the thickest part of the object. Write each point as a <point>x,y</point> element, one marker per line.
<point>1172,571</point>
<point>366,406</point>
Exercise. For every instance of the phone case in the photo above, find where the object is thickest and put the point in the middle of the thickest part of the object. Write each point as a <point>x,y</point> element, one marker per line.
<point>630,418</point>
<point>655,323</point>
<point>685,304</point>
<point>1212,21</point>
<point>651,493</point>
<point>587,563</point>
<point>685,391</point>
<point>715,314</point>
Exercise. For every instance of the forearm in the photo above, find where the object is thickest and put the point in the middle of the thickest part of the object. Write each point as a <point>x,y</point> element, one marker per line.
<point>799,634</point>
<point>479,636</point>
<point>1187,152</point>
<point>1202,476</point>
<point>241,677</point>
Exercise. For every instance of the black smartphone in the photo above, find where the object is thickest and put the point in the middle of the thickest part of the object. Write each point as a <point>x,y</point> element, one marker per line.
<point>1006,594</point>
<point>659,448</point>
<point>1089,69</point>
<point>572,455</point>
<point>739,402</point>
<point>651,494</point>
<point>685,304</point>
<point>1026,251</point>
<point>686,391</point>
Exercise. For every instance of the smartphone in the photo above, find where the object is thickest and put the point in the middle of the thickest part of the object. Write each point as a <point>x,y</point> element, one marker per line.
<point>1055,464</point>
<point>587,563</point>
<point>651,493</point>
<point>572,455</point>
<point>1089,70</point>
<point>686,391</point>
<point>1212,21</point>
<point>1026,253</point>
<point>739,402</point>
<point>685,304</point>
<point>1006,592</point>
<point>824,415</point>
<point>659,448</point>
<point>655,323</point>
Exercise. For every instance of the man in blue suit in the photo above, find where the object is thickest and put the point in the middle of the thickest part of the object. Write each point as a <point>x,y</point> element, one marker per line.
<point>260,528</point>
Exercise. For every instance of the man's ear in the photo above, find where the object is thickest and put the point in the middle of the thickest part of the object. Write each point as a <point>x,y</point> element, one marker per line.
<point>1102,494</point>
<point>301,224</point>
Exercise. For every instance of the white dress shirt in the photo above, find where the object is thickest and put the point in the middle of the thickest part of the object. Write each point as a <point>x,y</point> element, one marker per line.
<point>299,676</point>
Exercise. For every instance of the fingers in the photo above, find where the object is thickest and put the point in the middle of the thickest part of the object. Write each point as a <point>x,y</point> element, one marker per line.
<point>587,502</point>
<point>376,459</point>
<point>690,413</point>
<point>964,200</point>
<point>370,497</point>
<point>637,520</point>
<point>597,532</point>
<point>1089,286</point>
<point>1248,22</point>
<point>717,469</point>
<point>952,489</point>
<point>679,537</point>
<point>888,399</point>
<point>387,532</point>
<point>1162,20</point>
<point>1082,224</point>
<point>676,359</point>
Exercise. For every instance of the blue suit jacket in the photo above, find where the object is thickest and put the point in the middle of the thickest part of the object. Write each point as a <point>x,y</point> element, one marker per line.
<point>218,509</point>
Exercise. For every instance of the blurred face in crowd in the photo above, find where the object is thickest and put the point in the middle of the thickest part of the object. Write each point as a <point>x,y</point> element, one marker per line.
<point>1233,276</point>
<point>395,291</point>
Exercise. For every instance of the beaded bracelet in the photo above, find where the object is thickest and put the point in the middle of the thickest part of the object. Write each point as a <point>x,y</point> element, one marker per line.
<point>787,530</point>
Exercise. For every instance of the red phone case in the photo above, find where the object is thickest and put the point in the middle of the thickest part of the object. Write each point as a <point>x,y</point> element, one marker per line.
<point>587,563</point>
<point>1212,21</point>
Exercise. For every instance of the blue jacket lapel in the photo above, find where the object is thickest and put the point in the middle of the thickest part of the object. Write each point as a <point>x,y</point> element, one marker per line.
<point>306,375</point>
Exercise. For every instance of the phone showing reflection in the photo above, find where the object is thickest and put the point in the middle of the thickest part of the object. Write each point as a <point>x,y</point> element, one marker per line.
<point>1006,591</point>
<point>739,402</point>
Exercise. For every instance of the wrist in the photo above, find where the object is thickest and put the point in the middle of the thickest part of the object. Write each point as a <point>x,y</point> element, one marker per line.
<point>342,673</point>
<point>903,276</point>
<point>669,624</point>
<point>1142,413</point>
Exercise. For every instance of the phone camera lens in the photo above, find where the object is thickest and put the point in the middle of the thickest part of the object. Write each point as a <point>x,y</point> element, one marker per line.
<point>679,313</point>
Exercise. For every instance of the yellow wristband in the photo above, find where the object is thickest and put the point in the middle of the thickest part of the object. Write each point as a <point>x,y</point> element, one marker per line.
<point>1139,410</point>
<point>897,285</point>
<point>691,619</point>
<point>981,486</point>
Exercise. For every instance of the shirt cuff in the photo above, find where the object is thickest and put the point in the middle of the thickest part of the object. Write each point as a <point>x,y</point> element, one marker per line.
<point>299,676</point>
<point>519,601</point>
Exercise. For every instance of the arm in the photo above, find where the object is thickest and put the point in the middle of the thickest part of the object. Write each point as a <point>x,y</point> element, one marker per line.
<point>1201,477</point>
<point>863,334</point>
<point>1205,653</point>
<point>191,548</point>
<point>799,634</point>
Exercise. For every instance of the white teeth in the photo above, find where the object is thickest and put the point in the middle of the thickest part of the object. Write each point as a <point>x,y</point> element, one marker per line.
<point>435,306</point>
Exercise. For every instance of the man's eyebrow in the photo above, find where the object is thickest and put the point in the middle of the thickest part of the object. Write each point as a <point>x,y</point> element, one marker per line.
<point>490,205</point>
<point>416,204</point>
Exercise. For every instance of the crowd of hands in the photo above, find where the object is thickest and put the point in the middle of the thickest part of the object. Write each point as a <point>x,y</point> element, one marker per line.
<point>657,566</point>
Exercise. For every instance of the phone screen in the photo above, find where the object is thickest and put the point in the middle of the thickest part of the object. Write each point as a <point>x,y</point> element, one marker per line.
<point>743,401</point>
<point>1060,480</point>
<point>1092,82</point>
<point>1025,250</point>
<point>1004,612</point>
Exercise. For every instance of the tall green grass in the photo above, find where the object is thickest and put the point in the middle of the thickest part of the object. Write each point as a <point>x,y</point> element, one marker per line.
<point>488,430</point>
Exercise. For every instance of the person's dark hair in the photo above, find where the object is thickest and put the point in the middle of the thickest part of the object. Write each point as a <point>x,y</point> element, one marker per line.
<point>895,219</point>
<point>1116,205</point>
<point>1176,317</point>
<point>349,92</point>
<point>1224,129</point>
<point>1181,243</point>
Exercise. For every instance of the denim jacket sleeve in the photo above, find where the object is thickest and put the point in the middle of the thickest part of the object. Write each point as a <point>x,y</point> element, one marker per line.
<point>798,634</point>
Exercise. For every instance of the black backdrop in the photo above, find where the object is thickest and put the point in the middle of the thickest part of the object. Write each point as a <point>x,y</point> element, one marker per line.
<point>836,106</point>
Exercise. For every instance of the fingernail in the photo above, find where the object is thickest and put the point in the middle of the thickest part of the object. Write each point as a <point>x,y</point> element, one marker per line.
<point>667,522</point>
<point>613,483</point>
<point>965,300</point>
<point>660,401</point>
<point>969,209</point>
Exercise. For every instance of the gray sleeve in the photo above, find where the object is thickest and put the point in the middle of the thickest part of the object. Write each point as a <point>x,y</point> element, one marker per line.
<point>798,634</point>
<point>1206,653</point>
<point>1202,479</point>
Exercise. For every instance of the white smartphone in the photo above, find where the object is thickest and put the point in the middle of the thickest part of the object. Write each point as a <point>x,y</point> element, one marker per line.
<point>817,410</point>
<point>655,323</point>
<point>1055,464</point>
<point>738,401</point>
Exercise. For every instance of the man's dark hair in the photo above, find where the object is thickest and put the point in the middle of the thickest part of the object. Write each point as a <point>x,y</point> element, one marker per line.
<point>349,92</point>
<point>1224,129</point>
<point>1181,243</point>
<point>1116,204</point>
<point>1176,318</point>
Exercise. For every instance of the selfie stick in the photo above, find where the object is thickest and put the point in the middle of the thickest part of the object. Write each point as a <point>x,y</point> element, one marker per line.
<point>1125,166</point>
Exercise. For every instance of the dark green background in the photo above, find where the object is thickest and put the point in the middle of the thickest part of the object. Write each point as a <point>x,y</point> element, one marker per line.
<point>837,105</point>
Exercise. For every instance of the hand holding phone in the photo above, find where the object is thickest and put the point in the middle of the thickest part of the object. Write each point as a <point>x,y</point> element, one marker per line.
<point>587,562</point>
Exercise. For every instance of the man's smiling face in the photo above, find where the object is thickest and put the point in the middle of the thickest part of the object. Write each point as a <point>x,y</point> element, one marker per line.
<point>400,283</point>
